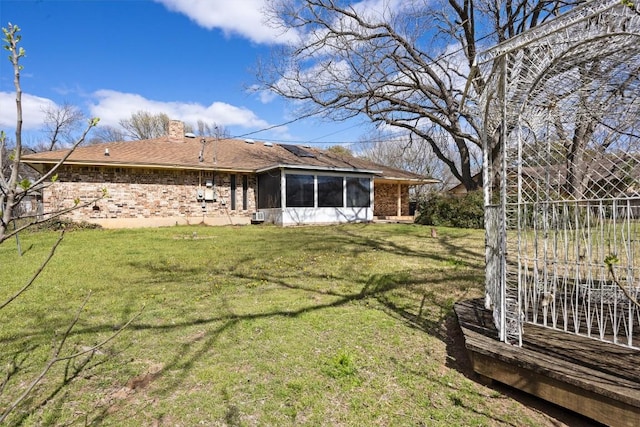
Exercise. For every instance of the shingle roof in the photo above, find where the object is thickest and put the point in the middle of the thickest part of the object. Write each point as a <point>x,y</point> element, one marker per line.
<point>223,154</point>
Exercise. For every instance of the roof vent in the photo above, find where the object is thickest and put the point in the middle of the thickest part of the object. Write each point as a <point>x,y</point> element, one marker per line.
<point>268,144</point>
<point>249,141</point>
<point>106,151</point>
<point>190,135</point>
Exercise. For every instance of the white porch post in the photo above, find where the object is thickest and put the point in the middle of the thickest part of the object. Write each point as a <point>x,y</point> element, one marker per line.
<point>283,190</point>
<point>372,198</point>
<point>399,202</point>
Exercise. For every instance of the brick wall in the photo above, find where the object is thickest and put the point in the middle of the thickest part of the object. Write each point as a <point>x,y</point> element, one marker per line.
<point>144,193</point>
<point>386,200</point>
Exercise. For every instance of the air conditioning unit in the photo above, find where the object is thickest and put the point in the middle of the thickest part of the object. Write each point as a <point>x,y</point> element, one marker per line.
<point>257,217</point>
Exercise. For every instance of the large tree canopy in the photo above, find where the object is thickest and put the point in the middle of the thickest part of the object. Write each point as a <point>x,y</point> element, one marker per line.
<point>408,65</point>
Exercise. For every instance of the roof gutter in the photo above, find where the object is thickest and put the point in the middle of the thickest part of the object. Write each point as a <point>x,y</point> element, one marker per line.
<point>34,162</point>
<point>319,168</point>
<point>416,181</point>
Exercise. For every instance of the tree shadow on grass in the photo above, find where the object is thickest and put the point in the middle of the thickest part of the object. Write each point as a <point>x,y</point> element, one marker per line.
<point>428,316</point>
<point>448,246</point>
<point>188,353</point>
<point>428,309</point>
<point>445,327</point>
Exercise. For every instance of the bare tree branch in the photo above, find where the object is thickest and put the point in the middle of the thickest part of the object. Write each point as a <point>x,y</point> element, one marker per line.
<point>56,357</point>
<point>609,261</point>
<point>408,65</point>
<point>14,188</point>
<point>60,122</point>
<point>33,278</point>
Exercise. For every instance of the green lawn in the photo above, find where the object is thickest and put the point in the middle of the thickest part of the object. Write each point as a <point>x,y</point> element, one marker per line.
<point>249,326</point>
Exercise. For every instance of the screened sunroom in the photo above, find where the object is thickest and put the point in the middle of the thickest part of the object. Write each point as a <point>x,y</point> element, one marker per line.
<point>295,196</point>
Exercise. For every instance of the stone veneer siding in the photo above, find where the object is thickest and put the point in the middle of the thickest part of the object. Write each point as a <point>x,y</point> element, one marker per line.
<point>145,193</point>
<point>386,200</point>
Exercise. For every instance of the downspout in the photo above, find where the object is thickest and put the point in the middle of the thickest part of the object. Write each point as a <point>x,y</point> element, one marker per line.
<point>399,201</point>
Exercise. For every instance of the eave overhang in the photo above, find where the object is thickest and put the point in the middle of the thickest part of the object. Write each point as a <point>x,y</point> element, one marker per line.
<point>406,181</point>
<point>132,165</point>
<point>320,169</point>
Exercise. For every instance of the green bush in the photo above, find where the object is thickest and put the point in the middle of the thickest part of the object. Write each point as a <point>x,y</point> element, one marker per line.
<point>448,211</point>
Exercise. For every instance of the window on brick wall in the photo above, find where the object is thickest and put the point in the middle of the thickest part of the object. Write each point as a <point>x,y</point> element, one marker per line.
<point>245,191</point>
<point>233,192</point>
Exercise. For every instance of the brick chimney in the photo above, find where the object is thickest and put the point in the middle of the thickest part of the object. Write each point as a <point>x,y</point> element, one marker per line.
<point>176,131</point>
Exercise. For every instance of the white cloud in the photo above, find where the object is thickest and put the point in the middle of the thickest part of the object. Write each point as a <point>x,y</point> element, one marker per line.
<point>32,111</point>
<point>264,96</point>
<point>112,106</point>
<point>245,18</point>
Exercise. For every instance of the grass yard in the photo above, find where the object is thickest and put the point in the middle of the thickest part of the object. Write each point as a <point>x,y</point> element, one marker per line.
<point>249,326</point>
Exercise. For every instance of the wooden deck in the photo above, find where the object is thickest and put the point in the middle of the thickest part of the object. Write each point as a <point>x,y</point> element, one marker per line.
<point>596,379</point>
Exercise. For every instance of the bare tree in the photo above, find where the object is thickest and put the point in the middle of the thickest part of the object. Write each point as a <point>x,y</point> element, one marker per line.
<point>13,189</point>
<point>7,148</point>
<point>340,150</point>
<point>142,125</point>
<point>108,134</point>
<point>404,153</point>
<point>582,107</point>
<point>602,119</point>
<point>212,129</point>
<point>410,66</point>
<point>145,125</point>
<point>60,124</point>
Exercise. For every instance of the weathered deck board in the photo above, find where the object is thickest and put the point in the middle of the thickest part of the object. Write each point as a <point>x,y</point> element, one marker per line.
<point>597,379</point>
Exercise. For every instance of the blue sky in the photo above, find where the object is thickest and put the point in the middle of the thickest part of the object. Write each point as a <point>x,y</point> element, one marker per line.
<point>192,59</point>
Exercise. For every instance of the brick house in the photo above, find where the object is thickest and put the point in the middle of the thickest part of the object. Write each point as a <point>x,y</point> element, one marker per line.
<point>182,179</point>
